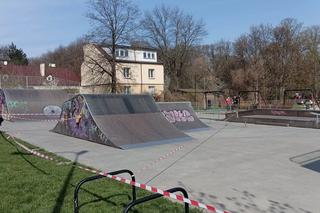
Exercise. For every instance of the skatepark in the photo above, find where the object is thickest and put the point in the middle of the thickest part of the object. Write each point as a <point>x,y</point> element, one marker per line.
<point>238,167</point>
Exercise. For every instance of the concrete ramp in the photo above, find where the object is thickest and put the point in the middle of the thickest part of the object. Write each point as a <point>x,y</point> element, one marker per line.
<point>278,117</point>
<point>121,121</point>
<point>181,115</point>
<point>32,104</point>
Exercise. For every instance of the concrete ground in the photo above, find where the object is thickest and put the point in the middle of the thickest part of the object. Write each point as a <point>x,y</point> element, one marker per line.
<point>232,166</point>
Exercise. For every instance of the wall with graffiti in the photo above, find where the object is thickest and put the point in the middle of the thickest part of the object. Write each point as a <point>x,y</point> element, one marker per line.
<point>77,121</point>
<point>31,104</point>
<point>174,116</point>
<point>181,115</point>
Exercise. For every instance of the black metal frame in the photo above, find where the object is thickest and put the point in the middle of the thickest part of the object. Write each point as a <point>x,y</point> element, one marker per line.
<point>155,196</point>
<point>285,93</point>
<point>96,177</point>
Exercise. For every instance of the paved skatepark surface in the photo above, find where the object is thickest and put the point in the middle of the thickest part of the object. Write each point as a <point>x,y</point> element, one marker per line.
<point>243,168</point>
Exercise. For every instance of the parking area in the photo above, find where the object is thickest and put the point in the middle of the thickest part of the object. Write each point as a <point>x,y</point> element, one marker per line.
<point>242,168</point>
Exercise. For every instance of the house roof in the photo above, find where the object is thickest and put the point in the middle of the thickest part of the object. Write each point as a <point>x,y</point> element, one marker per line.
<point>34,70</point>
<point>105,54</point>
<point>135,47</point>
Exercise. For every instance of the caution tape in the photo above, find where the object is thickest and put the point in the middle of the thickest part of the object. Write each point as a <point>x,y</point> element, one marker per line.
<point>163,157</point>
<point>30,119</point>
<point>130,182</point>
<point>30,114</point>
<point>11,116</point>
<point>164,193</point>
<point>36,153</point>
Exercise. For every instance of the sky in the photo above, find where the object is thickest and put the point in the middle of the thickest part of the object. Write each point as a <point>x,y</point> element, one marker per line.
<point>38,26</point>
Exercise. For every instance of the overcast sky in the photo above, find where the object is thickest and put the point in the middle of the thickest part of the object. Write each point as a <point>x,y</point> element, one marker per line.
<point>37,26</point>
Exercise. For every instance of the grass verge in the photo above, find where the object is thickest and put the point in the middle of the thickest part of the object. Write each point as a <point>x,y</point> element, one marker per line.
<point>32,184</point>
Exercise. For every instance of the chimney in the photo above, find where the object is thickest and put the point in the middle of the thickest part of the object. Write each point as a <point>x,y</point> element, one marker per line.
<point>43,69</point>
<point>52,65</point>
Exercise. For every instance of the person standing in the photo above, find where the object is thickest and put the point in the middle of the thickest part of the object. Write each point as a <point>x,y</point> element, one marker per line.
<point>1,107</point>
<point>229,103</point>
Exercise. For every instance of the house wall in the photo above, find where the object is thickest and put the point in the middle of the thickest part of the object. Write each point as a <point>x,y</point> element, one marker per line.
<point>139,82</point>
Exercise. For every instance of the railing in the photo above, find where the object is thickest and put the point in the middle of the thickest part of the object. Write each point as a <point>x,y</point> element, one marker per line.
<point>134,200</point>
<point>96,177</point>
<point>155,196</point>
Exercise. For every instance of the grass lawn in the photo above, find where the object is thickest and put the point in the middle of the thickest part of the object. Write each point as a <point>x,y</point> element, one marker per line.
<point>31,184</point>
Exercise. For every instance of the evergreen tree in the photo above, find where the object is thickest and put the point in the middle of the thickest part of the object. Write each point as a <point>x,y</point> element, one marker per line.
<point>17,56</point>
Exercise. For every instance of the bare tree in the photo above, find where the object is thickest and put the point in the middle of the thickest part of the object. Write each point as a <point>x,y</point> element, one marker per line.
<point>114,21</point>
<point>174,33</point>
<point>69,56</point>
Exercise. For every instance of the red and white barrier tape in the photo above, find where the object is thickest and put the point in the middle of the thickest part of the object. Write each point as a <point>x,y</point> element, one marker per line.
<point>8,117</point>
<point>164,193</point>
<point>29,119</point>
<point>38,154</point>
<point>29,114</point>
<point>163,157</point>
<point>133,183</point>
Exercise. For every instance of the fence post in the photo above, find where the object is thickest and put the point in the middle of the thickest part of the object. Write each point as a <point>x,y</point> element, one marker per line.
<point>27,82</point>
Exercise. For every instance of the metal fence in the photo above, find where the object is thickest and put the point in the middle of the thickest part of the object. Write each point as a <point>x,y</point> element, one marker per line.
<point>14,81</point>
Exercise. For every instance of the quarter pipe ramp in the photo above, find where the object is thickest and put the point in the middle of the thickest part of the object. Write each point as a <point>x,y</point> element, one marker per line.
<point>29,104</point>
<point>121,121</point>
<point>181,115</point>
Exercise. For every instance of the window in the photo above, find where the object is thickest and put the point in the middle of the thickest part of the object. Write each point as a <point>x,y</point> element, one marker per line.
<point>126,72</point>
<point>122,53</point>
<point>148,55</point>
<point>151,90</point>
<point>151,73</point>
<point>127,90</point>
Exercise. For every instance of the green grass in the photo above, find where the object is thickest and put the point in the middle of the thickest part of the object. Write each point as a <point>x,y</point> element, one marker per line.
<point>30,184</point>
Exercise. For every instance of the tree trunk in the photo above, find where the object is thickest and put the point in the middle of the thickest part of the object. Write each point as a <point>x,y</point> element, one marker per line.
<point>113,78</point>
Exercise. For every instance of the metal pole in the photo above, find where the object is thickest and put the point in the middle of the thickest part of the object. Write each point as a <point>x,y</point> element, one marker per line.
<point>195,89</point>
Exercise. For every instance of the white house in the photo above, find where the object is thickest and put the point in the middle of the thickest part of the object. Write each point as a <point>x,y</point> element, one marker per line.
<point>138,70</point>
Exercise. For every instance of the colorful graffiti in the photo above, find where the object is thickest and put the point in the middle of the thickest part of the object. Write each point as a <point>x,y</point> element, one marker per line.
<point>78,122</point>
<point>21,106</point>
<point>51,110</point>
<point>174,116</point>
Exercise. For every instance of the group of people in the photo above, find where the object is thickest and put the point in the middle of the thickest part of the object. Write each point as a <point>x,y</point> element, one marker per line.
<point>302,99</point>
<point>232,102</point>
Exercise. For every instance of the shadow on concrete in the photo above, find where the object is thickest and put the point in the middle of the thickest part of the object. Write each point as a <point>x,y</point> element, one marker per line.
<point>244,202</point>
<point>314,166</point>
<point>63,190</point>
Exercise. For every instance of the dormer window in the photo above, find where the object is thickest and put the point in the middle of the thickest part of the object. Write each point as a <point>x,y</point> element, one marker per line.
<point>148,55</point>
<point>122,53</point>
